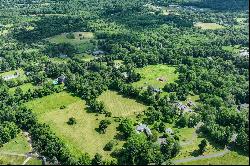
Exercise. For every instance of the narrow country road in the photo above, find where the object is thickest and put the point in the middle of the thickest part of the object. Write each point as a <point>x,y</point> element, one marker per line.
<point>202,157</point>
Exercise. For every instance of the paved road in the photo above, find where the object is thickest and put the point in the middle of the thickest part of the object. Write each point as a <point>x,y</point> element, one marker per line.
<point>202,157</point>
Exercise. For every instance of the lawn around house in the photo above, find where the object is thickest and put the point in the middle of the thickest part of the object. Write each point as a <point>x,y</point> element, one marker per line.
<point>151,73</point>
<point>231,158</point>
<point>22,76</point>
<point>81,137</point>
<point>18,145</point>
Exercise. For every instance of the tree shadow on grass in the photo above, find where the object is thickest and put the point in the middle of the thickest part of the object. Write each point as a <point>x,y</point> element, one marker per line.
<point>195,153</point>
<point>119,137</point>
<point>216,145</point>
<point>98,130</point>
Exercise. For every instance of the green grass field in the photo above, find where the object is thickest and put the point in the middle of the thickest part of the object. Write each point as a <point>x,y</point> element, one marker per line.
<point>34,161</point>
<point>11,160</point>
<point>231,158</point>
<point>120,106</point>
<point>152,72</point>
<point>17,145</point>
<point>20,71</point>
<point>81,137</point>
<point>83,44</point>
<point>189,144</point>
<point>234,49</point>
<point>212,26</point>
<point>24,87</point>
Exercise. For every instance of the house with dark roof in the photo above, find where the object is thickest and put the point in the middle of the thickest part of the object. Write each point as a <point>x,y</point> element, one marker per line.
<point>61,79</point>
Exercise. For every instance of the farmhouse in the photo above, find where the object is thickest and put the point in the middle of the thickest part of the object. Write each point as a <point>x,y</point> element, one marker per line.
<point>125,74</point>
<point>161,140</point>
<point>244,53</point>
<point>243,107</point>
<point>61,79</point>
<point>63,56</point>
<point>98,52</point>
<point>10,77</point>
<point>143,128</point>
<point>157,90</point>
<point>234,137</point>
<point>169,131</point>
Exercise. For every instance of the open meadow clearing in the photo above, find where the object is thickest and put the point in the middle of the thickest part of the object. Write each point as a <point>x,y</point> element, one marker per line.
<point>13,152</point>
<point>14,74</point>
<point>24,87</point>
<point>81,40</point>
<point>212,26</point>
<point>18,145</point>
<point>120,106</point>
<point>83,136</point>
<point>152,73</point>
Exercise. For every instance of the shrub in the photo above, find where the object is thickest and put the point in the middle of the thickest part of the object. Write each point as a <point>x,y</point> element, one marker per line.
<point>109,146</point>
<point>71,121</point>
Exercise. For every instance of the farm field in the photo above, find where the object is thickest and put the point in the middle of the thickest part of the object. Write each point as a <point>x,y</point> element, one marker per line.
<point>211,26</point>
<point>151,73</point>
<point>82,137</point>
<point>120,106</point>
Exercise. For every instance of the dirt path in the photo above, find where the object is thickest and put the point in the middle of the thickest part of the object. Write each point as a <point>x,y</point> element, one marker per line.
<point>13,154</point>
<point>25,161</point>
<point>225,151</point>
<point>194,135</point>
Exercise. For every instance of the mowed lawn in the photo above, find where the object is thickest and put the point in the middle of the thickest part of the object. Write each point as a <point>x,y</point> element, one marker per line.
<point>11,160</point>
<point>22,76</point>
<point>81,137</point>
<point>120,106</point>
<point>231,158</point>
<point>212,26</point>
<point>18,145</point>
<point>151,73</point>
